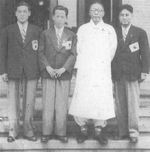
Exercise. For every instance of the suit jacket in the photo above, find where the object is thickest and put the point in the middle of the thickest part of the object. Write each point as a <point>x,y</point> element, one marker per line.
<point>132,55</point>
<point>17,57</point>
<point>50,54</point>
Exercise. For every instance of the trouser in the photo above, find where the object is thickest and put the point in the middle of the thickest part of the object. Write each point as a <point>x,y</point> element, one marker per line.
<point>127,106</point>
<point>84,121</point>
<point>55,103</point>
<point>14,106</point>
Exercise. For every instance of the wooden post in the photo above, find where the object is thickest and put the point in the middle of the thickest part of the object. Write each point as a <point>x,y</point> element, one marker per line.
<point>115,6</point>
<point>80,12</point>
<point>52,4</point>
<point>2,13</point>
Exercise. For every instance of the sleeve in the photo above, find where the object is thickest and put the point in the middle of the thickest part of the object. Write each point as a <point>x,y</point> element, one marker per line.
<point>145,52</point>
<point>3,52</point>
<point>41,52</point>
<point>69,64</point>
<point>113,43</point>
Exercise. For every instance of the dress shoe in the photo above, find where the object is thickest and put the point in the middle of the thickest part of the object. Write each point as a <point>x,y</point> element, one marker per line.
<point>84,130</point>
<point>100,136</point>
<point>46,138</point>
<point>10,139</point>
<point>63,139</point>
<point>32,138</point>
<point>133,140</point>
<point>81,138</point>
<point>83,134</point>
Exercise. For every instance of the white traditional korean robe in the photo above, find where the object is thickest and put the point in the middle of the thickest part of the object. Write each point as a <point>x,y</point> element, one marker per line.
<point>93,95</point>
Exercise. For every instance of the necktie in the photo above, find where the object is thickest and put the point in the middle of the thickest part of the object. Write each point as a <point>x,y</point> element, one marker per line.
<point>124,33</point>
<point>23,34</point>
<point>58,35</point>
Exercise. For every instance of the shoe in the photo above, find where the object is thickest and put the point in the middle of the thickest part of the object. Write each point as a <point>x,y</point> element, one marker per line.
<point>46,138</point>
<point>63,139</point>
<point>100,136</point>
<point>84,130</point>
<point>10,139</point>
<point>83,135</point>
<point>81,138</point>
<point>32,138</point>
<point>133,140</point>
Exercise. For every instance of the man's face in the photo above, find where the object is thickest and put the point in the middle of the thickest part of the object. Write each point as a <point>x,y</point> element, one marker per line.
<point>59,18</point>
<point>22,14</point>
<point>125,17</point>
<point>96,12</point>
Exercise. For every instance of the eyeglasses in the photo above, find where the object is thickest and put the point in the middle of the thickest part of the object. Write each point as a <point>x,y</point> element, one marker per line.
<point>97,10</point>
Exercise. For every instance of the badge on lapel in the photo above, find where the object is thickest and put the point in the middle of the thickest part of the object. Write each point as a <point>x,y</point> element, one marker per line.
<point>35,45</point>
<point>67,44</point>
<point>134,47</point>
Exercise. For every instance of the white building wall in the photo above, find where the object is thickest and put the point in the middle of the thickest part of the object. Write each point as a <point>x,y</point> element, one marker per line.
<point>72,7</point>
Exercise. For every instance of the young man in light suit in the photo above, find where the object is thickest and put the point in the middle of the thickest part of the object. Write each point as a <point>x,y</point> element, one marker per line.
<point>57,53</point>
<point>19,63</point>
<point>129,67</point>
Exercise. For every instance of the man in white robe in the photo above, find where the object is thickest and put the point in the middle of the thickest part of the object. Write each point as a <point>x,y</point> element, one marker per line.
<point>93,96</point>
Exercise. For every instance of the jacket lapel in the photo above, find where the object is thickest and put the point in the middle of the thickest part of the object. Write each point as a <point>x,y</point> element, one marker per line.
<point>124,44</point>
<point>28,35</point>
<point>18,34</point>
<point>121,42</point>
<point>63,37</point>
<point>54,38</point>
<point>129,36</point>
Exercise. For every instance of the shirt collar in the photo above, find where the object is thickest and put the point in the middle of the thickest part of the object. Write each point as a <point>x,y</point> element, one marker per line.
<point>126,29</point>
<point>25,25</point>
<point>97,26</point>
<point>59,31</point>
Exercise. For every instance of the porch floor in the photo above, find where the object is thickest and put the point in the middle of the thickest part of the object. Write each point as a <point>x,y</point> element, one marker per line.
<point>90,145</point>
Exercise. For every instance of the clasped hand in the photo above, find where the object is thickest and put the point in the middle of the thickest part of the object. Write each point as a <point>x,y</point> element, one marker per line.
<point>55,73</point>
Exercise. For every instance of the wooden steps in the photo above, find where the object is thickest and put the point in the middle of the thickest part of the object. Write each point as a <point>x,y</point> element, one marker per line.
<point>144,114</point>
<point>90,145</point>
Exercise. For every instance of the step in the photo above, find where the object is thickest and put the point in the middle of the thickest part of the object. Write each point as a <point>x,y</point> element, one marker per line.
<point>90,145</point>
<point>144,126</point>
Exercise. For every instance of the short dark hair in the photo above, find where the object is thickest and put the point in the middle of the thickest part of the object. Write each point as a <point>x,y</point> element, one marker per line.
<point>97,2</point>
<point>23,3</point>
<point>60,7</point>
<point>127,7</point>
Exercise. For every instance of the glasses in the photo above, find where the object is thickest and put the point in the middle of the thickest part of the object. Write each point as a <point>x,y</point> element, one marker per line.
<point>97,10</point>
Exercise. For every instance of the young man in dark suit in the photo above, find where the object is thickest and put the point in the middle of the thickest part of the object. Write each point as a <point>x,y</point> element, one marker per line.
<point>19,63</point>
<point>129,67</point>
<point>57,53</point>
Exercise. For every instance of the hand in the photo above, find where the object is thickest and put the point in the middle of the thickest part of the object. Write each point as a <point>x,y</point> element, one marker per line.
<point>59,72</point>
<point>143,76</point>
<point>4,77</point>
<point>51,71</point>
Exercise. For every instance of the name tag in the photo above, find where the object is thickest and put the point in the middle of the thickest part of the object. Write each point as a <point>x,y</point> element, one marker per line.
<point>67,44</point>
<point>134,47</point>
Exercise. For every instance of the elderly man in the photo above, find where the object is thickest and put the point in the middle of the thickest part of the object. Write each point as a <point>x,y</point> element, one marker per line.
<point>129,67</point>
<point>93,97</point>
